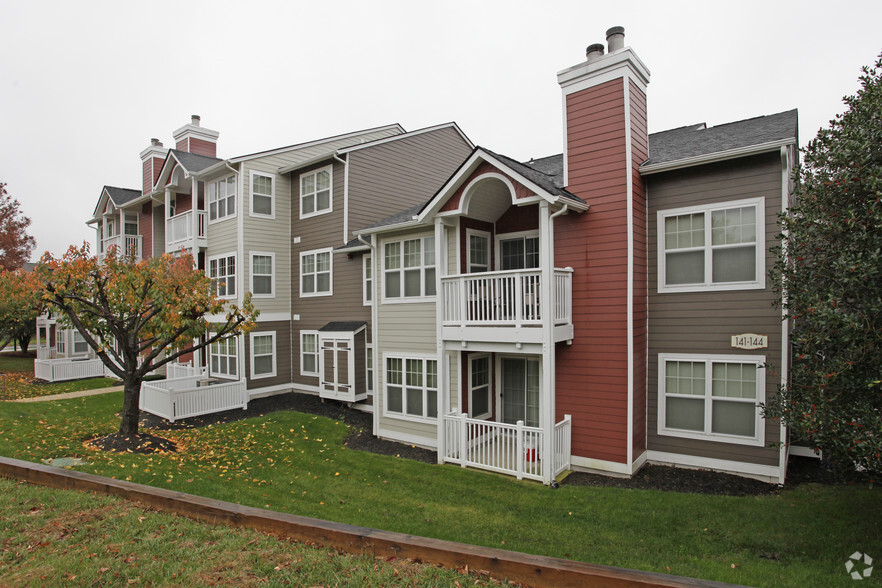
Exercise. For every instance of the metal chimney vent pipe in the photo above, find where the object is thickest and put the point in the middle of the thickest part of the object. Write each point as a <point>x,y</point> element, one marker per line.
<point>615,38</point>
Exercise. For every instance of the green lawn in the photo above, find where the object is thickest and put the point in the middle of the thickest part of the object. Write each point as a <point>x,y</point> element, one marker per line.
<point>17,380</point>
<point>296,463</point>
<point>51,537</point>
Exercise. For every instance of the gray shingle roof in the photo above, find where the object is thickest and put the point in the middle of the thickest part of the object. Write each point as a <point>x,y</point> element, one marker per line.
<point>193,162</point>
<point>697,140</point>
<point>343,326</point>
<point>398,217</point>
<point>121,196</point>
<point>547,175</point>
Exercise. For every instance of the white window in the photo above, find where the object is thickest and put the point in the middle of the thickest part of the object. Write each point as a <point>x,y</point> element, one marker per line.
<point>263,355</point>
<point>479,387</point>
<point>712,397</point>
<point>719,247</point>
<point>315,192</point>
<point>479,251</point>
<point>368,273</point>
<point>79,344</point>
<point>316,273</point>
<point>409,268</point>
<point>224,358</point>
<point>309,351</point>
<point>221,198</point>
<point>222,271</point>
<point>518,251</point>
<point>411,387</point>
<point>262,278</point>
<point>262,200</point>
<point>369,367</point>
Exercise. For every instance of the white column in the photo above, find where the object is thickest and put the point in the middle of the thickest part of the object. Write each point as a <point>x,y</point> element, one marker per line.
<point>166,216</point>
<point>443,367</point>
<point>546,394</point>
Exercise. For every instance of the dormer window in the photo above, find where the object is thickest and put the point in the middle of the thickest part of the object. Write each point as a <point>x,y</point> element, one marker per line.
<point>222,198</point>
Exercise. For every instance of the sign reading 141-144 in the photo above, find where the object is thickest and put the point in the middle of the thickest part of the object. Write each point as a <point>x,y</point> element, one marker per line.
<point>750,341</point>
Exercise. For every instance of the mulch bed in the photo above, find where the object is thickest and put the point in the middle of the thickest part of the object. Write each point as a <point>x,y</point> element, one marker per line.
<point>140,443</point>
<point>651,477</point>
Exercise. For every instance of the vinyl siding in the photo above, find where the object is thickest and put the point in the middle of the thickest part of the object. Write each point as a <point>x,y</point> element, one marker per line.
<point>387,178</point>
<point>703,322</point>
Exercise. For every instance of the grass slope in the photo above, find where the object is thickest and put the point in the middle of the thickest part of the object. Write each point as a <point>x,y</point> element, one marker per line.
<point>51,537</point>
<point>297,463</point>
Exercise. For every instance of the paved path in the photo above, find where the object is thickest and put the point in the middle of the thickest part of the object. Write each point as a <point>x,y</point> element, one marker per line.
<point>67,395</point>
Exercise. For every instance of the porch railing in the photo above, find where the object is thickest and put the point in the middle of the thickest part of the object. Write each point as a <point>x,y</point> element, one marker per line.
<point>182,370</point>
<point>179,228</point>
<point>509,298</point>
<point>129,245</point>
<point>179,398</point>
<point>508,449</point>
<point>59,370</point>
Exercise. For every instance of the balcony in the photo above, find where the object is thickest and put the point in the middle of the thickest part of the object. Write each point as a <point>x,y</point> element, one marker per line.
<point>179,232</point>
<point>129,245</point>
<point>506,306</point>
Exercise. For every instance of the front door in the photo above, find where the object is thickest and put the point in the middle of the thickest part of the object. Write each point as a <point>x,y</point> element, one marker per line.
<point>520,390</point>
<point>336,366</point>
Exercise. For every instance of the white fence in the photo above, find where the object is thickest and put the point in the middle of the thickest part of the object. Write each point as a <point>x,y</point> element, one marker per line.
<point>182,370</point>
<point>509,298</point>
<point>504,448</point>
<point>59,370</point>
<point>179,398</point>
<point>129,245</point>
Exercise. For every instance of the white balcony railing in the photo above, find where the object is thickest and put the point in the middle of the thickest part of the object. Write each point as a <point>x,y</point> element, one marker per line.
<point>179,398</point>
<point>129,245</point>
<point>507,449</point>
<point>60,370</point>
<point>179,229</point>
<point>509,298</point>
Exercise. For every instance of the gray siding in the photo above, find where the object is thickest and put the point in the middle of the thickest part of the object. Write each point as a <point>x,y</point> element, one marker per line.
<point>387,178</point>
<point>703,322</point>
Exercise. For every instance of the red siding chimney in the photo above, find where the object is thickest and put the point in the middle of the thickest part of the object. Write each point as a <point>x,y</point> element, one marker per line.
<point>601,377</point>
<point>152,159</point>
<point>193,138</point>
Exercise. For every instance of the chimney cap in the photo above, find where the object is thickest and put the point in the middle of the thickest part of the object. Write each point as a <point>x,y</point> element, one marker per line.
<point>615,31</point>
<point>195,119</point>
<point>594,51</point>
<point>155,142</point>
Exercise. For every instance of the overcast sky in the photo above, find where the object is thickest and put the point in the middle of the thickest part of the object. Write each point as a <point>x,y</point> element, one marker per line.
<point>84,85</point>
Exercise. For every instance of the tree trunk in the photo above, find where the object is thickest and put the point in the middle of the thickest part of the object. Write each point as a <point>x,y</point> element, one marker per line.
<point>130,412</point>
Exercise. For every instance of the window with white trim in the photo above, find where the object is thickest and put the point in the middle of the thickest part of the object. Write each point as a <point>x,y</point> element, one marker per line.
<point>712,397</point>
<point>368,281</point>
<point>479,387</point>
<point>309,351</point>
<point>316,273</point>
<point>262,278</point>
<point>315,192</point>
<point>479,251</point>
<point>719,246</point>
<point>221,198</point>
<point>411,387</point>
<point>263,355</point>
<point>222,271</point>
<point>262,194</point>
<point>223,358</point>
<point>409,268</point>
<point>79,344</point>
<point>518,252</point>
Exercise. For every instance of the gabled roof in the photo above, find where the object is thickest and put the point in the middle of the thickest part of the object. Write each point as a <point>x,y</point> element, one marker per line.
<point>548,174</point>
<point>404,217</point>
<point>191,162</point>
<point>118,196</point>
<point>697,144</point>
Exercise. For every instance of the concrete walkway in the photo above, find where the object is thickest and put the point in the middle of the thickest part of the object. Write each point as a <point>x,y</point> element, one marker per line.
<point>67,395</point>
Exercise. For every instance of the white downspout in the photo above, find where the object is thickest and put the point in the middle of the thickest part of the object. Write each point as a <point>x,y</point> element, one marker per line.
<point>375,338</point>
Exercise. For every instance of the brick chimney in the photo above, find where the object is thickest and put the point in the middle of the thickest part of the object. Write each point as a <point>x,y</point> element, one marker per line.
<point>193,138</point>
<point>152,159</point>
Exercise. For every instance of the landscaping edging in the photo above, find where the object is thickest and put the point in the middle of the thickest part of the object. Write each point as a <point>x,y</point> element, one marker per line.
<point>520,567</point>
